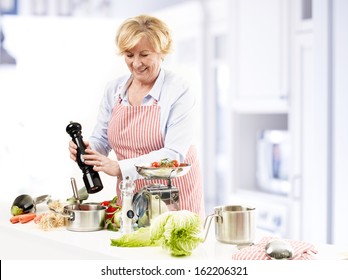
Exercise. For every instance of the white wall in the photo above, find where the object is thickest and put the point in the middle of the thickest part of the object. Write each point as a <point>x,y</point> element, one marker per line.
<point>63,66</point>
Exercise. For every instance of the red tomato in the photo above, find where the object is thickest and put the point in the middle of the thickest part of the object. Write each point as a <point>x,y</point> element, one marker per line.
<point>175,163</point>
<point>155,164</point>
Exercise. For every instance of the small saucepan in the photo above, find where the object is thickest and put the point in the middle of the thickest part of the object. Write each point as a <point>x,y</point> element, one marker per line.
<point>84,217</point>
<point>234,224</point>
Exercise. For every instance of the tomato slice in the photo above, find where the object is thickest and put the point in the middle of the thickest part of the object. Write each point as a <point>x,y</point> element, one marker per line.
<point>165,163</point>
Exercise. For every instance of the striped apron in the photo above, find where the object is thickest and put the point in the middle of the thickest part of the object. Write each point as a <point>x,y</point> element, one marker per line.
<point>134,131</point>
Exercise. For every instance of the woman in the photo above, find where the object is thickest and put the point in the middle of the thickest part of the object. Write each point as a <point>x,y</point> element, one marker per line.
<point>147,115</point>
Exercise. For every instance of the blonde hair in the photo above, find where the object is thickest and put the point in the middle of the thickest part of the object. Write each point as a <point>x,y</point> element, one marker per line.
<point>134,29</point>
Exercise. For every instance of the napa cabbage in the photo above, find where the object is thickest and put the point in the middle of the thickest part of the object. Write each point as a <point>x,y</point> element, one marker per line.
<point>138,238</point>
<point>179,232</point>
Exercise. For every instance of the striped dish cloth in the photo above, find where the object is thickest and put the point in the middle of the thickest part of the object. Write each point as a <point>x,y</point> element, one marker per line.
<point>302,250</point>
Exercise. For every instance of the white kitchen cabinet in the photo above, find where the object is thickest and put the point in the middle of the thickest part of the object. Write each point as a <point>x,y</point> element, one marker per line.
<point>301,120</point>
<point>261,43</point>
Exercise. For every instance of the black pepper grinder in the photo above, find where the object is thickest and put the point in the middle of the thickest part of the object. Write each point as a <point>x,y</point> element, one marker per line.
<point>91,178</point>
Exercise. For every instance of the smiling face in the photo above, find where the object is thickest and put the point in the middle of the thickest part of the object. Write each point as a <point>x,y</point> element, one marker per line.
<point>143,61</point>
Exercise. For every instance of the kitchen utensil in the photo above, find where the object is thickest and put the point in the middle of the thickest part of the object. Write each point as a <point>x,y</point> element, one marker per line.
<point>150,202</point>
<point>279,250</point>
<point>38,201</point>
<point>84,217</point>
<point>234,224</point>
<point>155,199</point>
<point>150,172</point>
<point>140,204</point>
<point>41,199</point>
<point>75,190</point>
<point>91,178</point>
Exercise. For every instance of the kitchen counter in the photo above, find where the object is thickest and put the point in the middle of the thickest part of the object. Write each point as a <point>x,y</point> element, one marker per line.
<point>69,245</point>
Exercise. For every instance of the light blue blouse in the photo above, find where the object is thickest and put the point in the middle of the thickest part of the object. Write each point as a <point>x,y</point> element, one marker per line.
<point>176,120</point>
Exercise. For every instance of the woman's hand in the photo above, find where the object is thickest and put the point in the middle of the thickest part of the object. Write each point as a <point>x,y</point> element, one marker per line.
<point>73,149</point>
<point>102,163</point>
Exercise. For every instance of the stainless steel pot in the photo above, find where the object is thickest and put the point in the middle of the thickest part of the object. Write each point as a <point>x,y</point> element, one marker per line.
<point>234,224</point>
<point>85,217</point>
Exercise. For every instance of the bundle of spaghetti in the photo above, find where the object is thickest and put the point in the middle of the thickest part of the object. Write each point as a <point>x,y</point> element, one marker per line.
<point>56,205</point>
<point>51,219</point>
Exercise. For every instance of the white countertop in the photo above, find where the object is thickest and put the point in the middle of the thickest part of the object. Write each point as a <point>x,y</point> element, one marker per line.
<point>28,241</point>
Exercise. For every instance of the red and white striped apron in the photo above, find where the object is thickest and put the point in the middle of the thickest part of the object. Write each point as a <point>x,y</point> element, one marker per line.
<point>134,131</point>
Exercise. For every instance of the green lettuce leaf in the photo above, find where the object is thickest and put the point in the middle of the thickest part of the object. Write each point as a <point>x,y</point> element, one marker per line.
<point>138,238</point>
<point>178,231</point>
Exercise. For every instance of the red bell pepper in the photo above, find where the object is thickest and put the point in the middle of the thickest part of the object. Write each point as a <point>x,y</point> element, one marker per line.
<point>112,207</point>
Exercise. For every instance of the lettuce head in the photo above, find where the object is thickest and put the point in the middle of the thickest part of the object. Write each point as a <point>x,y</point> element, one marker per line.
<point>177,231</point>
